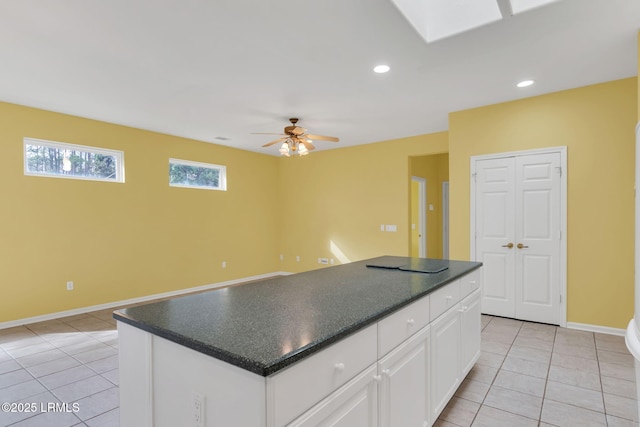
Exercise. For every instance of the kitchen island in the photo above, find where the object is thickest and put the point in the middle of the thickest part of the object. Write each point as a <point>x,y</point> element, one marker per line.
<point>345,343</point>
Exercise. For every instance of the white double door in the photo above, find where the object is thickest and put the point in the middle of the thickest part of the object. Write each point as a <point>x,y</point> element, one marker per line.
<point>518,235</point>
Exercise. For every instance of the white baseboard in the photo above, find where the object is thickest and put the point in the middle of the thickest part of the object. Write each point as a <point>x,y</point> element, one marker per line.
<point>57,315</point>
<point>596,328</point>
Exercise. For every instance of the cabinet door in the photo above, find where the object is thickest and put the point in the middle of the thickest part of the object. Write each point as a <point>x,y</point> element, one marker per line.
<point>470,331</point>
<point>445,359</point>
<point>353,405</point>
<point>404,398</point>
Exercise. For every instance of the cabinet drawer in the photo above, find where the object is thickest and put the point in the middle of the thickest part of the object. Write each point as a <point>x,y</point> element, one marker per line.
<point>299,387</point>
<point>444,298</point>
<point>470,282</point>
<point>399,326</point>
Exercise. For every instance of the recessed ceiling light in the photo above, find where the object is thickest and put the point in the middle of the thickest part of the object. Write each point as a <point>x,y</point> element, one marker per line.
<point>381,69</point>
<point>525,83</point>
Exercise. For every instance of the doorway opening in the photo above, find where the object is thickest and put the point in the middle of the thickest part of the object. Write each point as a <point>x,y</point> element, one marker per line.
<point>433,171</point>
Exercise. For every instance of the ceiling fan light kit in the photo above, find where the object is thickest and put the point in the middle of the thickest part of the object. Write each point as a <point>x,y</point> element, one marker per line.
<point>295,140</point>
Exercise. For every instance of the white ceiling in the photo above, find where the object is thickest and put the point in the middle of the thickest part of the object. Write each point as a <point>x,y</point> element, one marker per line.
<point>225,68</point>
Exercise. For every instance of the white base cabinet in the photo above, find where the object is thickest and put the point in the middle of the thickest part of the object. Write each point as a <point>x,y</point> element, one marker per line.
<point>445,359</point>
<point>455,348</point>
<point>398,372</point>
<point>404,383</point>
<point>353,405</point>
<point>470,331</point>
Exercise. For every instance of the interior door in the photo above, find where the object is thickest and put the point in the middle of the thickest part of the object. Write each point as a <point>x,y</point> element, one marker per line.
<point>495,229</point>
<point>518,238</point>
<point>538,237</point>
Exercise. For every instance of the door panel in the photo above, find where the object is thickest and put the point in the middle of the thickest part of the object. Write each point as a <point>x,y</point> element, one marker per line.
<point>352,405</point>
<point>494,230</point>
<point>538,231</point>
<point>446,353</point>
<point>404,390</point>
<point>470,331</point>
<point>536,277</point>
<point>497,291</point>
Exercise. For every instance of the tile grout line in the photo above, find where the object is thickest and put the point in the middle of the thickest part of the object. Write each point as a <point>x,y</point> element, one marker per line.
<point>546,380</point>
<point>51,391</point>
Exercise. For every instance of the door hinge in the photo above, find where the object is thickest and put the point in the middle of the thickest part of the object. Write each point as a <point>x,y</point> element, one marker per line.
<point>475,176</point>
<point>560,298</point>
<point>559,168</point>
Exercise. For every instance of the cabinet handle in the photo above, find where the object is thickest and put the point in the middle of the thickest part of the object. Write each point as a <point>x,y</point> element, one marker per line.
<point>508,245</point>
<point>386,372</point>
<point>410,322</point>
<point>521,246</point>
<point>339,367</point>
<point>377,378</point>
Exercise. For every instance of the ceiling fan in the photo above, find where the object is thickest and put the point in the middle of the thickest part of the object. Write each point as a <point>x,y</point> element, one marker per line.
<point>296,140</point>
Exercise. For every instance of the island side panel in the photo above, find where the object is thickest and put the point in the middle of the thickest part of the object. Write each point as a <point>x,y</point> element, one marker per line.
<point>159,382</point>
<point>136,401</point>
<point>230,396</point>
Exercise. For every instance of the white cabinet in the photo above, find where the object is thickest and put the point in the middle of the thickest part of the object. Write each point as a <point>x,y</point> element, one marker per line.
<point>455,348</point>
<point>299,387</point>
<point>404,385</point>
<point>353,405</point>
<point>445,359</point>
<point>470,331</point>
<point>398,372</point>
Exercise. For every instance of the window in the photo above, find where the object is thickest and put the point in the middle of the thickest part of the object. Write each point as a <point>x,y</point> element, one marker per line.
<point>183,173</point>
<point>61,160</point>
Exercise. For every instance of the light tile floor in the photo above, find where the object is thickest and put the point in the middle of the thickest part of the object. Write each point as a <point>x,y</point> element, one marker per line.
<point>528,374</point>
<point>70,360</point>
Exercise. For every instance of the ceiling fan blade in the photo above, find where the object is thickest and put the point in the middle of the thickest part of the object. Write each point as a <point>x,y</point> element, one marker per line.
<point>323,138</point>
<point>308,144</point>
<point>298,130</point>
<point>268,144</point>
<point>267,133</point>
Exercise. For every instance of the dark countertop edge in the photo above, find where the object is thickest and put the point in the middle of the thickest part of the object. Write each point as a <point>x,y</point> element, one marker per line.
<point>289,359</point>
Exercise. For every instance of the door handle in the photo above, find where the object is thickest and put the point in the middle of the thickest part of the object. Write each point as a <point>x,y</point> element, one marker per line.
<point>508,245</point>
<point>521,246</point>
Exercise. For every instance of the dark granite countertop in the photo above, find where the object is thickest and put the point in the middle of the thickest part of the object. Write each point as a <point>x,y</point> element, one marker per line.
<point>268,325</point>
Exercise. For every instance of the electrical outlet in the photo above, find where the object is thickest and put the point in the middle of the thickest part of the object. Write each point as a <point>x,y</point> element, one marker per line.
<point>69,286</point>
<point>381,227</point>
<point>298,258</point>
<point>198,410</point>
<point>281,257</point>
<point>323,261</point>
<point>331,261</point>
<point>224,264</point>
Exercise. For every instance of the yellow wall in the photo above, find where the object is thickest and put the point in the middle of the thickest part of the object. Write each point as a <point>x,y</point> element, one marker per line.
<point>597,125</point>
<point>120,241</point>
<point>343,196</point>
<point>435,169</point>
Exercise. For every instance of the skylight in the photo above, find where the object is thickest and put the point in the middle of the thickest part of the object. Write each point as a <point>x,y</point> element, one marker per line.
<point>518,6</point>
<point>437,19</point>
